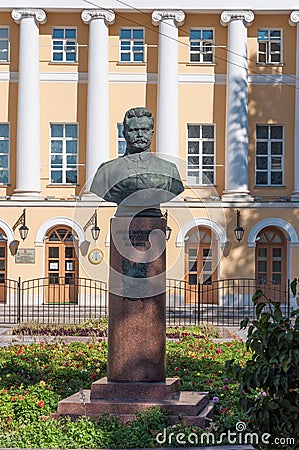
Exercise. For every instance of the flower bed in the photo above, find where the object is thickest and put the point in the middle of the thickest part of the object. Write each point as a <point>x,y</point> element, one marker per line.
<point>99,328</point>
<point>35,377</point>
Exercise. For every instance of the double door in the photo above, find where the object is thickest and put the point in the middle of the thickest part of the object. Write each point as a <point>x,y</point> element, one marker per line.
<point>62,267</point>
<point>3,249</point>
<point>200,267</point>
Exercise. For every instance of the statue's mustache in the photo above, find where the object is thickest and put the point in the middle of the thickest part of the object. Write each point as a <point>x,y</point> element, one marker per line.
<point>140,140</point>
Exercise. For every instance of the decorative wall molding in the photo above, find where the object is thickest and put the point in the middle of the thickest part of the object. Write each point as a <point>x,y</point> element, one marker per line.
<point>178,16</point>
<point>7,231</point>
<point>152,78</point>
<point>228,16</point>
<point>203,222</point>
<point>294,18</point>
<point>38,14</point>
<point>94,14</point>
<point>54,221</point>
<point>288,230</point>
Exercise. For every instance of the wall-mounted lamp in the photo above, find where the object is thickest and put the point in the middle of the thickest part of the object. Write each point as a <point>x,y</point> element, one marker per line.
<point>168,230</point>
<point>239,231</point>
<point>23,230</point>
<point>95,230</point>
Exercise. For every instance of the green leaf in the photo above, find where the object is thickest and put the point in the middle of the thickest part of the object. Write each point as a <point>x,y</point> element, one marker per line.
<point>259,309</point>
<point>244,323</point>
<point>258,294</point>
<point>277,313</point>
<point>294,286</point>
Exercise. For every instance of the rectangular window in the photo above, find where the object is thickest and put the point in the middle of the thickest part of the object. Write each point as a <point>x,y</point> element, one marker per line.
<point>64,153</point>
<point>4,153</point>
<point>269,155</point>
<point>64,45</point>
<point>269,46</point>
<point>131,45</point>
<point>4,44</point>
<point>202,45</point>
<point>201,154</point>
<point>121,142</point>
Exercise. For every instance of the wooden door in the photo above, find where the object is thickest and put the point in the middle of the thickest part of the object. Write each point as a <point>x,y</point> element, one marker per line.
<point>200,265</point>
<point>3,274</point>
<point>62,267</point>
<point>271,263</point>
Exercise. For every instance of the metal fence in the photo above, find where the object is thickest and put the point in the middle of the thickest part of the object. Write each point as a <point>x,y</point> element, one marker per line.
<point>222,302</point>
<point>65,301</point>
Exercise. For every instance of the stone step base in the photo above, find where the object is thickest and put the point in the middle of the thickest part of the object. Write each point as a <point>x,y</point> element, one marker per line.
<point>166,390</point>
<point>194,407</point>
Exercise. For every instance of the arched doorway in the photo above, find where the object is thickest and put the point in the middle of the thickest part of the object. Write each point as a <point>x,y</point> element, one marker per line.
<point>271,266</point>
<point>61,266</point>
<point>3,266</point>
<point>201,262</point>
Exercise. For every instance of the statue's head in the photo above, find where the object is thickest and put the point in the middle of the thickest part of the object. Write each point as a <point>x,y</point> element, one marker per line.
<point>138,129</point>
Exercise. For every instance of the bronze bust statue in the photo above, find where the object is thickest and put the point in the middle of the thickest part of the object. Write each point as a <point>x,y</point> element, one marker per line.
<point>138,181</point>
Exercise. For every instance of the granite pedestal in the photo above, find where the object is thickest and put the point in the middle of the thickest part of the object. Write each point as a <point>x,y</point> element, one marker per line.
<point>136,374</point>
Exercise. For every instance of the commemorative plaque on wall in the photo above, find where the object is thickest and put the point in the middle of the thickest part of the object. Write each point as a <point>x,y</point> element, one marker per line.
<point>25,256</point>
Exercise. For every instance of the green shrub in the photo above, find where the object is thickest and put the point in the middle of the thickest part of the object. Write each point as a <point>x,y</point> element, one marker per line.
<point>268,389</point>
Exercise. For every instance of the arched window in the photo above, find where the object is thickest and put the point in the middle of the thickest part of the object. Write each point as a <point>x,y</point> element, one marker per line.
<point>271,256</point>
<point>61,266</point>
<point>3,266</point>
<point>200,259</point>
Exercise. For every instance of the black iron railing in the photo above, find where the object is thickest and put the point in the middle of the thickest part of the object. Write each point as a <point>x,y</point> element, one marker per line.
<point>222,302</point>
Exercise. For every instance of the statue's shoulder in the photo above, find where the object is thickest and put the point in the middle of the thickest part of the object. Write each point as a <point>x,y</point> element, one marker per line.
<point>164,163</point>
<point>113,164</point>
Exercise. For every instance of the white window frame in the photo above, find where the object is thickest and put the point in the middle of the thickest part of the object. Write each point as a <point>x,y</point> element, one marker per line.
<point>203,44</point>
<point>7,40</point>
<point>4,138</point>
<point>64,166</point>
<point>200,170</point>
<point>269,155</point>
<point>268,41</point>
<point>64,45</point>
<point>130,51</point>
<point>120,140</point>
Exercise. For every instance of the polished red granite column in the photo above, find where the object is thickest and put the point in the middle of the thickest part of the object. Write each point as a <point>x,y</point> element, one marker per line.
<point>136,331</point>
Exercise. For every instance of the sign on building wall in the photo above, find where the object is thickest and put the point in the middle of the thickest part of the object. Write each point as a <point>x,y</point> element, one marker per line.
<point>25,256</point>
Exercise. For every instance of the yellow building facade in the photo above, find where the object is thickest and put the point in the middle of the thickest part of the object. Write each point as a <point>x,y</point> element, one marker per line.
<point>223,88</point>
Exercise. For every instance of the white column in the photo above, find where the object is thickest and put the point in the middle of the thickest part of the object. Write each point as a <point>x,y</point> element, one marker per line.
<point>98,108</point>
<point>236,146</point>
<point>28,129</point>
<point>294,21</point>
<point>168,92</point>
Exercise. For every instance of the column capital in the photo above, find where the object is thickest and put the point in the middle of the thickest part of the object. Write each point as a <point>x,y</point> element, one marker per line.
<point>38,14</point>
<point>294,18</point>
<point>91,14</point>
<point>177,15</point>
<point>229,16</point>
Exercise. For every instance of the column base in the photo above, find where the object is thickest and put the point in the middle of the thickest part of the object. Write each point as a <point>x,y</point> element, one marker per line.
<point>294,197</point>
<point>236,196</point>
<point>88,196</point>
<point>26,195</point>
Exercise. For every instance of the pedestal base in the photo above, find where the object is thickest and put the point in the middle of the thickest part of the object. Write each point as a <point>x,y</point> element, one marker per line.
<point>125,399</point>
